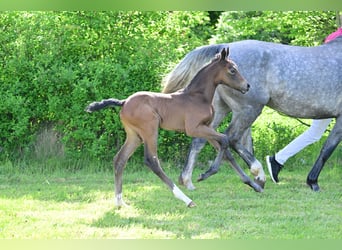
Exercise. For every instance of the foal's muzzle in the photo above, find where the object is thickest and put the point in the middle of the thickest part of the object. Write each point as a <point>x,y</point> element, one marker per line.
<point>243,91</point>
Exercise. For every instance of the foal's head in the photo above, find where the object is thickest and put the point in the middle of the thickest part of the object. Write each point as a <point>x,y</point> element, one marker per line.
<point>229,74</point>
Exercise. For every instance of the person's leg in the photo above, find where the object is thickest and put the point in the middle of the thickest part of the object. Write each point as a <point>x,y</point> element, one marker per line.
<point>311,135</point>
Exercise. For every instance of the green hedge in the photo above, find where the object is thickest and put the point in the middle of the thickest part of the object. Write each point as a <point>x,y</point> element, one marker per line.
<point>305,28</point>
<point>54,63</point>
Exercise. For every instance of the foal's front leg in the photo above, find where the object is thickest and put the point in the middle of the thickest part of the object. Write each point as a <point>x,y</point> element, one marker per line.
<point>216,164</point>
<point>221,142</point>
<point>185,178</point>
<point>152,161</point>
<point>243,176</point>
<point>217,140</point>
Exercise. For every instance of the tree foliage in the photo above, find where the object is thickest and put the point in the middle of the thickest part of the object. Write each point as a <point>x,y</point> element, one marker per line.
<point>306,28</point>
<point>52,64</point>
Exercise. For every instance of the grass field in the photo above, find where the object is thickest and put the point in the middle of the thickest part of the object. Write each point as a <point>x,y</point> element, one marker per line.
<point>61,204</point>
<point>80,205</point>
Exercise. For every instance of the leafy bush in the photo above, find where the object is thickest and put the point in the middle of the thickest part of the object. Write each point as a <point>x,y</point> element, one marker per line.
<point>52,64</point>
<point>55,63</point>
<point>305,28</point>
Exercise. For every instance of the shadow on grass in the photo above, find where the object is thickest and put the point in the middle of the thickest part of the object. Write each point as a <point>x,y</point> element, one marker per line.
<point>66,187</point>
<point>82,187</point>
<point>113,218</point>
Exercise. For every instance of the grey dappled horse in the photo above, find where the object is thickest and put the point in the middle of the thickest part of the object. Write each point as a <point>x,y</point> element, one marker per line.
<point>303,82</point>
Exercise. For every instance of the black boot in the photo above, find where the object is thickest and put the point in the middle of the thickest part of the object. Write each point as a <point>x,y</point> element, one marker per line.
<point>273,168</point>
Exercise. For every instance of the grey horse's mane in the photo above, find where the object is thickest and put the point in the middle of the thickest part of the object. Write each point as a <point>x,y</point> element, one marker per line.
<point>184,71</point>
<point>188,67</point>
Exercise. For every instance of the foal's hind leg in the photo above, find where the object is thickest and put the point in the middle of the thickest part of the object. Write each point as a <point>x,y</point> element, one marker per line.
<point>120,160</point>
<point>152,162</point>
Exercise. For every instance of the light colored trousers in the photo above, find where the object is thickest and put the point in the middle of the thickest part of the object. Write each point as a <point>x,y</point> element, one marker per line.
<point>311,135</point>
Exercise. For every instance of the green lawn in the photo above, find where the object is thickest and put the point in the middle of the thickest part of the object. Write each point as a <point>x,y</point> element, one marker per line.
<point>81,205</point>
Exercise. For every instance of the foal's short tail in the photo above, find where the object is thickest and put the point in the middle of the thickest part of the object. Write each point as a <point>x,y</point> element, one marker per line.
<point>94,106</point>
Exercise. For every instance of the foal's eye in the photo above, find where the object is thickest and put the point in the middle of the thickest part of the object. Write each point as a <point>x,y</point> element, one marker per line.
<point>232,71</point>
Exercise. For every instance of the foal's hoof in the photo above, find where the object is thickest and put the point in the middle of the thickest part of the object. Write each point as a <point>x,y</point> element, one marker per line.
<point>207,174</point>
<point>201,177</point>
<point>191,204</point>
<point>313,185</point>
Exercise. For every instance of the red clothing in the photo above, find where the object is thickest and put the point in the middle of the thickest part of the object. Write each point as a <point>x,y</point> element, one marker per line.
<point>333,35</point>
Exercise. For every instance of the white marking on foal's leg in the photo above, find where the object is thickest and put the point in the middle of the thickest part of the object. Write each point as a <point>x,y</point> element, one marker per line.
<point>180,195</point>
<point>258,171</point>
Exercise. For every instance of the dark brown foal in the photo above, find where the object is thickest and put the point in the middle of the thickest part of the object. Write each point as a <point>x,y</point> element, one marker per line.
<point>188,110</point>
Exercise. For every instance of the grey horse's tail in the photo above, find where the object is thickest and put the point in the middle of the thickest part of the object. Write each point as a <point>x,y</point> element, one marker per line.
<point>94,106</point>
<point>186,69</point>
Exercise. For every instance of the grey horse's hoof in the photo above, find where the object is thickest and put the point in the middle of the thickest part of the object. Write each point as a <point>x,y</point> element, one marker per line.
<point>313,185</point>
<point>260,183</point>
<point>187,183</point>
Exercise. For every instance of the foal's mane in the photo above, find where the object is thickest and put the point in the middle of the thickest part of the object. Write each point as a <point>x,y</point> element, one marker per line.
<point>216,59</point>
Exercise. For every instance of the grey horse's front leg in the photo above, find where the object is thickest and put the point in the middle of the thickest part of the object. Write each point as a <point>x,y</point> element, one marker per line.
<point>185,177</point>
<point>221,111</point>
<point>239,125</point>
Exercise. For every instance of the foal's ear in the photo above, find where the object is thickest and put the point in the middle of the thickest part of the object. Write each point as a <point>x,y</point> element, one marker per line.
<point>224,53</point>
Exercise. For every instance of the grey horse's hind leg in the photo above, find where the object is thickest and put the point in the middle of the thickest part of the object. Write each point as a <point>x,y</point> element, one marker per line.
<point>329,146</point>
